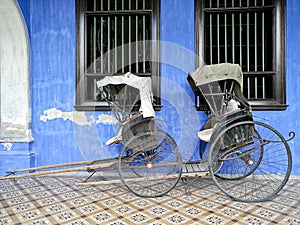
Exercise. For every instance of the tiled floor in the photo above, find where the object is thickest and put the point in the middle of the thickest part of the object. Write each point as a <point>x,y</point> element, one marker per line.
<point>59,200</point>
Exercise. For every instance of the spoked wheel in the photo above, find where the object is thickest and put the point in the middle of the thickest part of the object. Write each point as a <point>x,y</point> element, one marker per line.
<point>236,153</point>
<point>256,161</point>
<point>150,164</point>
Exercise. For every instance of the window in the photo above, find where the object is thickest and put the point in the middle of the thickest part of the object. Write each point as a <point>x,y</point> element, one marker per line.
<point>251,34</point>
<point>114,37</point>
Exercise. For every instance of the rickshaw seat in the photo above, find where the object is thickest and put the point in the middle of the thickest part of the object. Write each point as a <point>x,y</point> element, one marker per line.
<point>220,85</point>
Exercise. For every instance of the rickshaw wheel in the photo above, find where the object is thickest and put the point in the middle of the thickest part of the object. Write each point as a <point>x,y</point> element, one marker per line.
<point>150,164</point>
<point>251,163</point>
<point>256,161</point>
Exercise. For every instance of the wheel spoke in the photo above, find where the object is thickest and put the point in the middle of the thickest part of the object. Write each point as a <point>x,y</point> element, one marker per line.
<point>150,171</point>
<point>270,156</point>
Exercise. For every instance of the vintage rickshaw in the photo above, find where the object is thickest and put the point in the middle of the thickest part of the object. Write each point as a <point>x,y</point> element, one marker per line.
<point>248,160</point>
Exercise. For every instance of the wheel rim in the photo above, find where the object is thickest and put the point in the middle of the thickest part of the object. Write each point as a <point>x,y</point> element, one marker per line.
<point>150,170</point>
<point>270,167</point>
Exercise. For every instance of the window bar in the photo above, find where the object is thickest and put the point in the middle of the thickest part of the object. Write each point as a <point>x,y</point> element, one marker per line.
<point>108,39</point>
<point>94,62</point>
<point>137,39</point>
<point>248,55</point>
<point>144,40</point>
<point>263,38</point>
<point>248,87</point>
<point>225,32</point>
<point>210,38</point>
<point>123,53</point>
<point>116,41</point>
<point>233,34</point>
<point>95,88</point>
<point>95,51</point>
<point>263,86</point>
<point>255,86</point>
<point>129,38</point>
<point>137,44</point>
<point>101,38</point>
<point>248,39</point>
<point>263,49</point>
<point>240,25</point>
<point>255,39</point>
<point>255,49</point>
<point>241,47</point>
<point>218,33</point>
<point>210,35</point>
<point>101,44</point>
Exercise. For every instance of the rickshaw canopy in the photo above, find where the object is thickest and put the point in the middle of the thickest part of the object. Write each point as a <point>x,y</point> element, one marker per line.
<point>143,84</point>
<point>218,72</point>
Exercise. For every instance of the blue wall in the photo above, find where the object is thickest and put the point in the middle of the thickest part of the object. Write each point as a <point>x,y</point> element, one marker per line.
<point>52,30</point>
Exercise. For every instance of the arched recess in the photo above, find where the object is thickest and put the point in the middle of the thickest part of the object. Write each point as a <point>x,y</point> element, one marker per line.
<point>15,113</point>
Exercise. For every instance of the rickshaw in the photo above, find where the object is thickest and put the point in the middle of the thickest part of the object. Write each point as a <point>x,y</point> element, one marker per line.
<point>248,160</point>
<point>149,163</point>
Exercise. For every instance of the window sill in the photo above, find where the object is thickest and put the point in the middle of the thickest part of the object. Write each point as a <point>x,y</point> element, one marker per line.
<point>102,106</point>
<point>270,105</point>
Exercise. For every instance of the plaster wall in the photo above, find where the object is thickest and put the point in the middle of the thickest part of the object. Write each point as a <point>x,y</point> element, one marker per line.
<point>63,135</point>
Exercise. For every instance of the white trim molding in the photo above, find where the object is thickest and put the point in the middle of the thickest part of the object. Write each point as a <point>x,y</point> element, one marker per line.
<point>15,111</point>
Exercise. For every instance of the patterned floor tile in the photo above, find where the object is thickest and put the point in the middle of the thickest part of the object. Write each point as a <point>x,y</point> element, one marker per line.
<point>6,221</point>
<point>101,217</point>
<point>23,207</point>
<point>68,215</point>
<point>79,222</point>
<point>59,200</point>
<point>29,215</point>
<point>47,201</point>
<point>123,210</point>
<point>177,219</point>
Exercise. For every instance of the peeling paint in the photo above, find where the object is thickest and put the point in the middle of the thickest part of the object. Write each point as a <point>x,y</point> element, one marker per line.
<point>78,118</point>
<point>15,130</point>
<point>7,146</point>
<point>106,119</point>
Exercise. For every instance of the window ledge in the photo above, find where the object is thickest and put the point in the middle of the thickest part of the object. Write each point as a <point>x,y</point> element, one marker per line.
<point>102,106</point>
<point>270,105</point>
